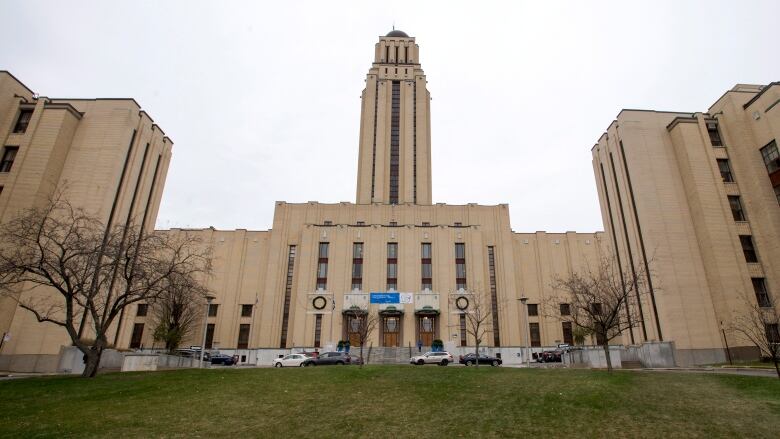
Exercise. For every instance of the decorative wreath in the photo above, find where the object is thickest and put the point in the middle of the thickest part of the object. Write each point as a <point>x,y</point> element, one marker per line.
<point>319,302</point>
<point>462,303</point>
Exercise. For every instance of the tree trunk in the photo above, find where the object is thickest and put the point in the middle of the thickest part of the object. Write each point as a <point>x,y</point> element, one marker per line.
<point>361,355</point>
<point>476,355</point>
<point>92,363</point>
<point>609,359</point>
<point>777,368</point>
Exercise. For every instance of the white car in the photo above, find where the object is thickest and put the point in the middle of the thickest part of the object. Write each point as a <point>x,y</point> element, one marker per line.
<point>292,360</point>
<point>440,358</point>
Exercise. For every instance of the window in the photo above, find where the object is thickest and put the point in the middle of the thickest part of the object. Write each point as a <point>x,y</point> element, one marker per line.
<point>209,336</point>
<point>463,330</point>
<point>747,248</point>
<point>426,224</point>
<point>393,224</point>
<point>357,266</point>
<point>287,297</point>
<point>361,223</point>
<point>771,157</point>
<point>213,309</point>
<point>533,309</point>
<point>762,295</point>
<point>142,310</point>
<point>736,208</point>
<point>460,266</point>
<point>712,130</point>
<point>458,224</point>
<point>565,309</point>
<point>246,310</point>
<point>392,265</point>
<point>23,121</point>
<point>772,333</point>
<point>568,338</point>
<point>317,330</point>
<point>138,334</point>
<point>493,295</point>
<point>322,266</point>
<point>725,170</point>
<point>328,222</point>
<point>395,111</point>
<point>536,336</point>
<point>243,336</point>
<point>427,267</point>
<point>9,154</point>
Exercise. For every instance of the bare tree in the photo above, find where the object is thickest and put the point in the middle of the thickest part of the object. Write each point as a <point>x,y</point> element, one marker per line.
<point>479,320</point>
<point>365,324</point>
<point>761,326</point>
<point>68,269</point>
<point>599,300</point>
<point>177,309</point>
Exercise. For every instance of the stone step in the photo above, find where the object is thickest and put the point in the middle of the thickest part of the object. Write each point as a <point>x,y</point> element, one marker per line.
<point>631,364</point>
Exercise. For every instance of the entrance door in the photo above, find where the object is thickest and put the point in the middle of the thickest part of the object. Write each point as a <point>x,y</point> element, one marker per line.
<point>426,325</point>
<point>353,330</point>
<point>391,326</point>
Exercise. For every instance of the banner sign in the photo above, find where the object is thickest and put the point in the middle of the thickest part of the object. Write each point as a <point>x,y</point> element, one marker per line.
<point>391,298</point>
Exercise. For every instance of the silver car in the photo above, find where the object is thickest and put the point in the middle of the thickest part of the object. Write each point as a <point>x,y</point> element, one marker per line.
<point>440,358</point>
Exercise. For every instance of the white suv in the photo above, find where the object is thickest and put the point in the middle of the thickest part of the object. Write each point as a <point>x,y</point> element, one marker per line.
<point>440,358</point>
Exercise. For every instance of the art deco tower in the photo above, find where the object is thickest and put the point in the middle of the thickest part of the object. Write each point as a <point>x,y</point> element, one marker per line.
<point>395,142</point>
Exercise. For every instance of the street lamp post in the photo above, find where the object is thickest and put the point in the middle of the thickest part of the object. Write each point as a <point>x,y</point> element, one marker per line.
<point>209,298</point>
<point>526,335</point>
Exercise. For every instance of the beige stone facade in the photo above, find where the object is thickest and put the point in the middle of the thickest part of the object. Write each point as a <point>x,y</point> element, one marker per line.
<point>694,195</point>
<point>108,157</point>
<point>664,204</point>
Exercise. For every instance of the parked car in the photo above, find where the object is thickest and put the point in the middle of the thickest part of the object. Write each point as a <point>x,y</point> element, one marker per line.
<point>550,357</point>
<point>470,359</point>
<point>440,358</point>
<point>225,360</point>
<point>328,359</point>
<point>292,360</point>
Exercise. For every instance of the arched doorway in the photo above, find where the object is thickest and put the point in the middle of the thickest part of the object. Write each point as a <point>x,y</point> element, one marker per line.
<point>392,322</point>
<point>353,322</point>
<point>427,327</point>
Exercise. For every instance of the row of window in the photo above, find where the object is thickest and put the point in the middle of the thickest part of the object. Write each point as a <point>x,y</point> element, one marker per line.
<point>136,339</point>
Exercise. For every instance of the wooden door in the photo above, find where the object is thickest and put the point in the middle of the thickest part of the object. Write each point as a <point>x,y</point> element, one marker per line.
<point>427,327</point>
<point>391,326</point>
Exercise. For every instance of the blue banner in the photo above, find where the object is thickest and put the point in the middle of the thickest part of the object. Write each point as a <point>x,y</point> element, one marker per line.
<point>378,298</point>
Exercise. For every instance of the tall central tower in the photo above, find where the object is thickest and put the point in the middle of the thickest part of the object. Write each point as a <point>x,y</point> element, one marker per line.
<point>394,164</point>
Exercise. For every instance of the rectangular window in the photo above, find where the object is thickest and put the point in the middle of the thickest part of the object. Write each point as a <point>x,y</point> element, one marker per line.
<point>565,309</point>
<point>361,223</point>
<point>392,265</point>
<point>772,333</point>
<point>536,336</point>
<point>460,266</point>
<point>426,224</point>
<point>568,337</point>
<point>762,295</point>
<point>213,309</point>
<point>243,336</point>
<point>771,157</point>
<point>138,334</point>
<point>725,170</point>
<point>463,339</point>
<point>458,224</point>
<point>426,266</point>
<point>142,310</point>
<point>9,154</point>
<point>533,309</point>
<point>23,121</point>
<point>322,266</point>
<point>712,130</point>
<point>246,310</point>
<point>357,266</point>
<point>395,112</point>
<point>209,336</point>
<point>747,248</point>
<point>317,330</point>
<point>493,295</point>
<point>736,208</point>
<point>328,223</point>
<point>287,297</point>
<point>393,224</point>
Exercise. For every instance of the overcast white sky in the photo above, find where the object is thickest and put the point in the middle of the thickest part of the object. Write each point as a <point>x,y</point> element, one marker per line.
<point>262,100</point>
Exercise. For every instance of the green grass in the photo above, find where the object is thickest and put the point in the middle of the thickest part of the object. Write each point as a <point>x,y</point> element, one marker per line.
<point>391,401</point>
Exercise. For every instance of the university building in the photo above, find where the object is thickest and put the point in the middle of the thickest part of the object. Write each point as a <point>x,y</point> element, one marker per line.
<point>663,188</point>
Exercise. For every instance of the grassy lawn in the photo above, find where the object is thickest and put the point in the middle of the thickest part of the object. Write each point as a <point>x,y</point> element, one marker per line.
<point>391,401</point>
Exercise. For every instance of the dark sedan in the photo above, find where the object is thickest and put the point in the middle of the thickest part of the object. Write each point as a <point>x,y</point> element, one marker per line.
<point>225,360</point>
<point>471,359</point>
<point>329,359</point>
